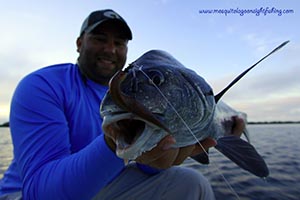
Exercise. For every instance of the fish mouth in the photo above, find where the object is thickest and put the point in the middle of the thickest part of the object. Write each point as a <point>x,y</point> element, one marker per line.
<point>129,103</point>
<point>136,128</point>
<point>132,135</point>
<point>131,130</point>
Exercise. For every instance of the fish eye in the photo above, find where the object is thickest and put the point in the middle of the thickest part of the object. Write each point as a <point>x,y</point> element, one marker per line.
<point>156,77</point>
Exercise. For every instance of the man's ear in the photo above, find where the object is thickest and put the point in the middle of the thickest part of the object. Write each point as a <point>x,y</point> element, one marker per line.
<point>78,43</point>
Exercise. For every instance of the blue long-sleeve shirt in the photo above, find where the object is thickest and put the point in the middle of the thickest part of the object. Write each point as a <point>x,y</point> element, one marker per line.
<point>59,148</point>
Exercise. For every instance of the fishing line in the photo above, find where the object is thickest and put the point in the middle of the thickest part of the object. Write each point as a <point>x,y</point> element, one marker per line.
<point>189,129</point>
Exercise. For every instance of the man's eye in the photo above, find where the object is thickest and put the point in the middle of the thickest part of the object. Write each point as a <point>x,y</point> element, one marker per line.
<point>120,42</point>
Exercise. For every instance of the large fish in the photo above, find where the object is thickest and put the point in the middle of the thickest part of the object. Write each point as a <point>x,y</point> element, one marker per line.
<point>156,96</point>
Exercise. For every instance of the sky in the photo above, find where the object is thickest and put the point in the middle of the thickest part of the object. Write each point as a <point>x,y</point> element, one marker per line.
<point>218,46</point>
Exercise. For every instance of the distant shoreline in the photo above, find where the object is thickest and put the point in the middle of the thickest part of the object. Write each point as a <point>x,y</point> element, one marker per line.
<point>5,124</point>
<point>276,122</point>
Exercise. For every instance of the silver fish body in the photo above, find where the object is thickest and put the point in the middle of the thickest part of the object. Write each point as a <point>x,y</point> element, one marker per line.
<point>175,96</point>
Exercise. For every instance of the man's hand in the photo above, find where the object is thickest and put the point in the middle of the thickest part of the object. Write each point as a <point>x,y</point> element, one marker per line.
<point>164,156</point>
<point>238,126</point>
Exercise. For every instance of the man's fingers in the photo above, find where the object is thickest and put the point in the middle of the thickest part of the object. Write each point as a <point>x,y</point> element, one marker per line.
<point>205,145</point>
<point>166,160</point>
<point>162,148</point>
<point>164,155</point>
<point>238,127</point>
<point>184,152</point>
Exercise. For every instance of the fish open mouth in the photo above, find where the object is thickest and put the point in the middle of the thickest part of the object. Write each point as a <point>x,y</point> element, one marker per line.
<point>133,135</point>
<point>130,130</point>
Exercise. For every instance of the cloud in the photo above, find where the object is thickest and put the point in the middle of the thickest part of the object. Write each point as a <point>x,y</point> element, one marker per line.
<point>270,92</point>
<point>262,43</point>
<point>267,96</point>
<point>284,108</point>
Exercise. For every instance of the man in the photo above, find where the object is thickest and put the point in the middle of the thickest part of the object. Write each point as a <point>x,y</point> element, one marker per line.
<point>60,151</point>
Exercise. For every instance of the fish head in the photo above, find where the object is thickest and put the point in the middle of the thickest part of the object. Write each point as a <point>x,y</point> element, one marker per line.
<point>153,97</point>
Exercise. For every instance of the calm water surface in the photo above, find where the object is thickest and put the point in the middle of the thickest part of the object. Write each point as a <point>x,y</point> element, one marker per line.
<point>278,144</point>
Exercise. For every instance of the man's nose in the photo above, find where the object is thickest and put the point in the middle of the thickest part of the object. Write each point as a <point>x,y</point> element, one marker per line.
<point>110,47</point>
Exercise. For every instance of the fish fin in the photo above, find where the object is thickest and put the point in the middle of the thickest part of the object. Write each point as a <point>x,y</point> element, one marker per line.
<point>246,134</point>
<point>202,158</point>
<point>220,94</point>
<point>243,154</point>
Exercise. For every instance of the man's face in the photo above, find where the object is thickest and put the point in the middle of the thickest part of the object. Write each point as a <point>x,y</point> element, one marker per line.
<point>102,52</point>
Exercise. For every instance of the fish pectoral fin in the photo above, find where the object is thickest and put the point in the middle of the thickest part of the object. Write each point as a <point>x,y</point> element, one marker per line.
<point>202,158</point>
<point>246,134</point>
<point>243,154</point>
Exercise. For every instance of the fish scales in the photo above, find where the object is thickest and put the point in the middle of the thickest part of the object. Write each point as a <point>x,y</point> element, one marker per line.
<point>156,96</point>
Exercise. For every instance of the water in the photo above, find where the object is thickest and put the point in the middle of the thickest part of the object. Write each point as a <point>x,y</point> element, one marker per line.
<point>278,144</point>
<point>5,150</point>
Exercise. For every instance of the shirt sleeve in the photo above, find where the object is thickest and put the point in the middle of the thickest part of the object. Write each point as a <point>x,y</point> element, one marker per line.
<point>41,140</point>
